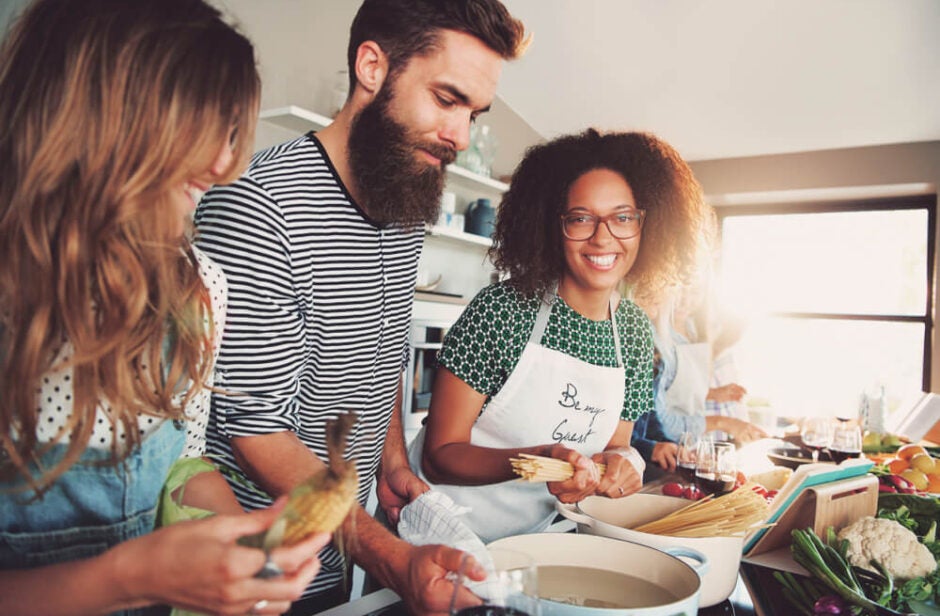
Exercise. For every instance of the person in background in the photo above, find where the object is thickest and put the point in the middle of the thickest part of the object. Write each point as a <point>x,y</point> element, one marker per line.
<point>320,242</point>
<point>657,450</point>
<point>725,395</point>
<point>108,313</point>
<point>686,343</point>
<point>552,361</point>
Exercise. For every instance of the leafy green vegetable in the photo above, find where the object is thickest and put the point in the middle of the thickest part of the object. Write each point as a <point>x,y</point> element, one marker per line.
<point>827,564</point>
<point>913,511</point>
<point>920,514</point>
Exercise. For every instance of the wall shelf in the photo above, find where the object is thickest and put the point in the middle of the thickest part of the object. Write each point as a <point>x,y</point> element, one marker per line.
<point>458,236</point>
<point>295,118</point>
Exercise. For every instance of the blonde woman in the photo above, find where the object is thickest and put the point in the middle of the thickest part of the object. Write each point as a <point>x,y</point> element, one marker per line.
<point>114,117</point>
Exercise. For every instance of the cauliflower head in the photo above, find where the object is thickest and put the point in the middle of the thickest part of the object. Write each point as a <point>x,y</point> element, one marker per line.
<point>895,547</point>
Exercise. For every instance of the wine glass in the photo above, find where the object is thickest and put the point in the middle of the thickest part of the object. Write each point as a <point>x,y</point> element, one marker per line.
<point>510,588</point>
<point>816,434</point>
<point>685,457</point>
<point>715,466</point>
<point>846,441</point>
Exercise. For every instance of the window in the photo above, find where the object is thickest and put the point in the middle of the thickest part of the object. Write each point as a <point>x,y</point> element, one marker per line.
<point>837,300</point>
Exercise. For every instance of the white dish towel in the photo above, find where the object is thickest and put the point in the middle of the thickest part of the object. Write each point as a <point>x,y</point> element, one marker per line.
<point>433,518</point>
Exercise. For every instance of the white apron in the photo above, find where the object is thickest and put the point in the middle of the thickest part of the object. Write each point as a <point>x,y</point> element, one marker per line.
<point>549,397</point>
<point>686,394</point>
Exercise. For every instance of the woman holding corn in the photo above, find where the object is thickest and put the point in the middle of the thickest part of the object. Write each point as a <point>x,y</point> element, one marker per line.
<point>553,361</point>
<point>108,315</point>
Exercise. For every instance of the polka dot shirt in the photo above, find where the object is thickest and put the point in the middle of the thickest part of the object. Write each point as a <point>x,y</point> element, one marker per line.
<point>55,391</point>
<point>485,344</point>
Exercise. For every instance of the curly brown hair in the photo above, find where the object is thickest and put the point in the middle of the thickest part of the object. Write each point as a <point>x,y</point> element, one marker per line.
<point>528,241</point>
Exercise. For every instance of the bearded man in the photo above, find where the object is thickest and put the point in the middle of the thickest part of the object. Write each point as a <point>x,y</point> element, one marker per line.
<point>320,241</point>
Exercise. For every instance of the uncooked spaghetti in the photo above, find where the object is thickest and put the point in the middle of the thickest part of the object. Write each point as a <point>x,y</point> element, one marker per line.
<point>539,468</point>
<point>738,512</point>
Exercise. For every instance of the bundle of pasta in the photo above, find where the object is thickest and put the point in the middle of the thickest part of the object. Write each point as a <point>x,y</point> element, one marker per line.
<point>322,502</point>
<point>740,511</point>
<point>539,468</point>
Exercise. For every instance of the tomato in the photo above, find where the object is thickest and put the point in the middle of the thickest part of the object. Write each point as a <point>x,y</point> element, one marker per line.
<point>672,489</point>
<point>693,493</point>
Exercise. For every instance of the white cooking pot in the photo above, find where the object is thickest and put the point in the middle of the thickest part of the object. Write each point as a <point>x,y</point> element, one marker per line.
<point>679,581</point>
<point>609,517</point>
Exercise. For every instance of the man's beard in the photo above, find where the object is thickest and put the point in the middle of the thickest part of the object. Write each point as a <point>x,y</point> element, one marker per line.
<point>393,185</point>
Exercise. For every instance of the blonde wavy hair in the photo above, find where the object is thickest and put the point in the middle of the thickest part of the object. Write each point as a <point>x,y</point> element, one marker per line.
<point>107,108</point>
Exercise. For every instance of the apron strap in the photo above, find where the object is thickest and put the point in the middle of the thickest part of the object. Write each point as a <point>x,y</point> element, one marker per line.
<point>613,324</point>
<point>545,311</point>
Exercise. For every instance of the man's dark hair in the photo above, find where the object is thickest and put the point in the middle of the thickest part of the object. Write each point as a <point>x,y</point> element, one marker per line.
<point>405,28</point>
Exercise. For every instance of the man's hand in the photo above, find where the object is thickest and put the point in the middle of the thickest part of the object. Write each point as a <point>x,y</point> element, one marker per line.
<point>396,489</point>
<point>426,588</point>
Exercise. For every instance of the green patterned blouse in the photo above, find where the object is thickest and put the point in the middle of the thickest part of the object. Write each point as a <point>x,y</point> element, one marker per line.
<point>486,342</point>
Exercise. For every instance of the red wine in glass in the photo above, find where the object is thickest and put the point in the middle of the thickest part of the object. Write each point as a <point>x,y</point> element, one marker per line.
<point>713,483</point>
<point>816,450</point>
<point>839,456</point>
<point>846,442</point>
<point>686,471</point>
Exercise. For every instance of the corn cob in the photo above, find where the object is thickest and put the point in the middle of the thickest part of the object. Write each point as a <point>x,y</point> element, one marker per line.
<point>322,502</point>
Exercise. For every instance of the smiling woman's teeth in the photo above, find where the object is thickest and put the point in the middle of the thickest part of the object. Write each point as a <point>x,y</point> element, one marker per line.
<point>603,261</point>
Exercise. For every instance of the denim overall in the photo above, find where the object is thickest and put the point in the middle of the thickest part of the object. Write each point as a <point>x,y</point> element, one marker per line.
<point>92,507</point>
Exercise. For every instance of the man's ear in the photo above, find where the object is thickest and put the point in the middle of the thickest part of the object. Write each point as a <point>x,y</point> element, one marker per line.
<point>371,67</point>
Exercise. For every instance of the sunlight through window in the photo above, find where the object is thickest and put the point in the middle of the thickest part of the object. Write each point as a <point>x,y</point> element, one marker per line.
<point>835,302</point>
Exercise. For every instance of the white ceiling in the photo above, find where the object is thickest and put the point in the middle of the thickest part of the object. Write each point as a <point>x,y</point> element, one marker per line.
<point>728,78</point>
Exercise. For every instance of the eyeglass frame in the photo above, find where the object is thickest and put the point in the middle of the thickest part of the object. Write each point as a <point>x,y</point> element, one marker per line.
<point>603,219</point>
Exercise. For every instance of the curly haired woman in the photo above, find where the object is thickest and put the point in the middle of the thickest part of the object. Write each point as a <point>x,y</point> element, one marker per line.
<point>109,316</point>
<point>553,361</point>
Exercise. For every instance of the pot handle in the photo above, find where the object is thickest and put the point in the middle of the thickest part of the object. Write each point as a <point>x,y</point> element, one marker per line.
<point>571,512</point>
<point>702,561</point>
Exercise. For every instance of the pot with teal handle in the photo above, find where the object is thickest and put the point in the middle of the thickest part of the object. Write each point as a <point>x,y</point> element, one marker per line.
<point>609,577</point>
<point>481,218</point>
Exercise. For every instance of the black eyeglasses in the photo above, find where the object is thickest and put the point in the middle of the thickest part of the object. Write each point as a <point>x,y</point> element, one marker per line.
<point>622,225</point>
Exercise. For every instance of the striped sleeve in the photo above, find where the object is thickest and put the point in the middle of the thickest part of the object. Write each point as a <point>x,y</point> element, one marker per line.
<point>262,354</point>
